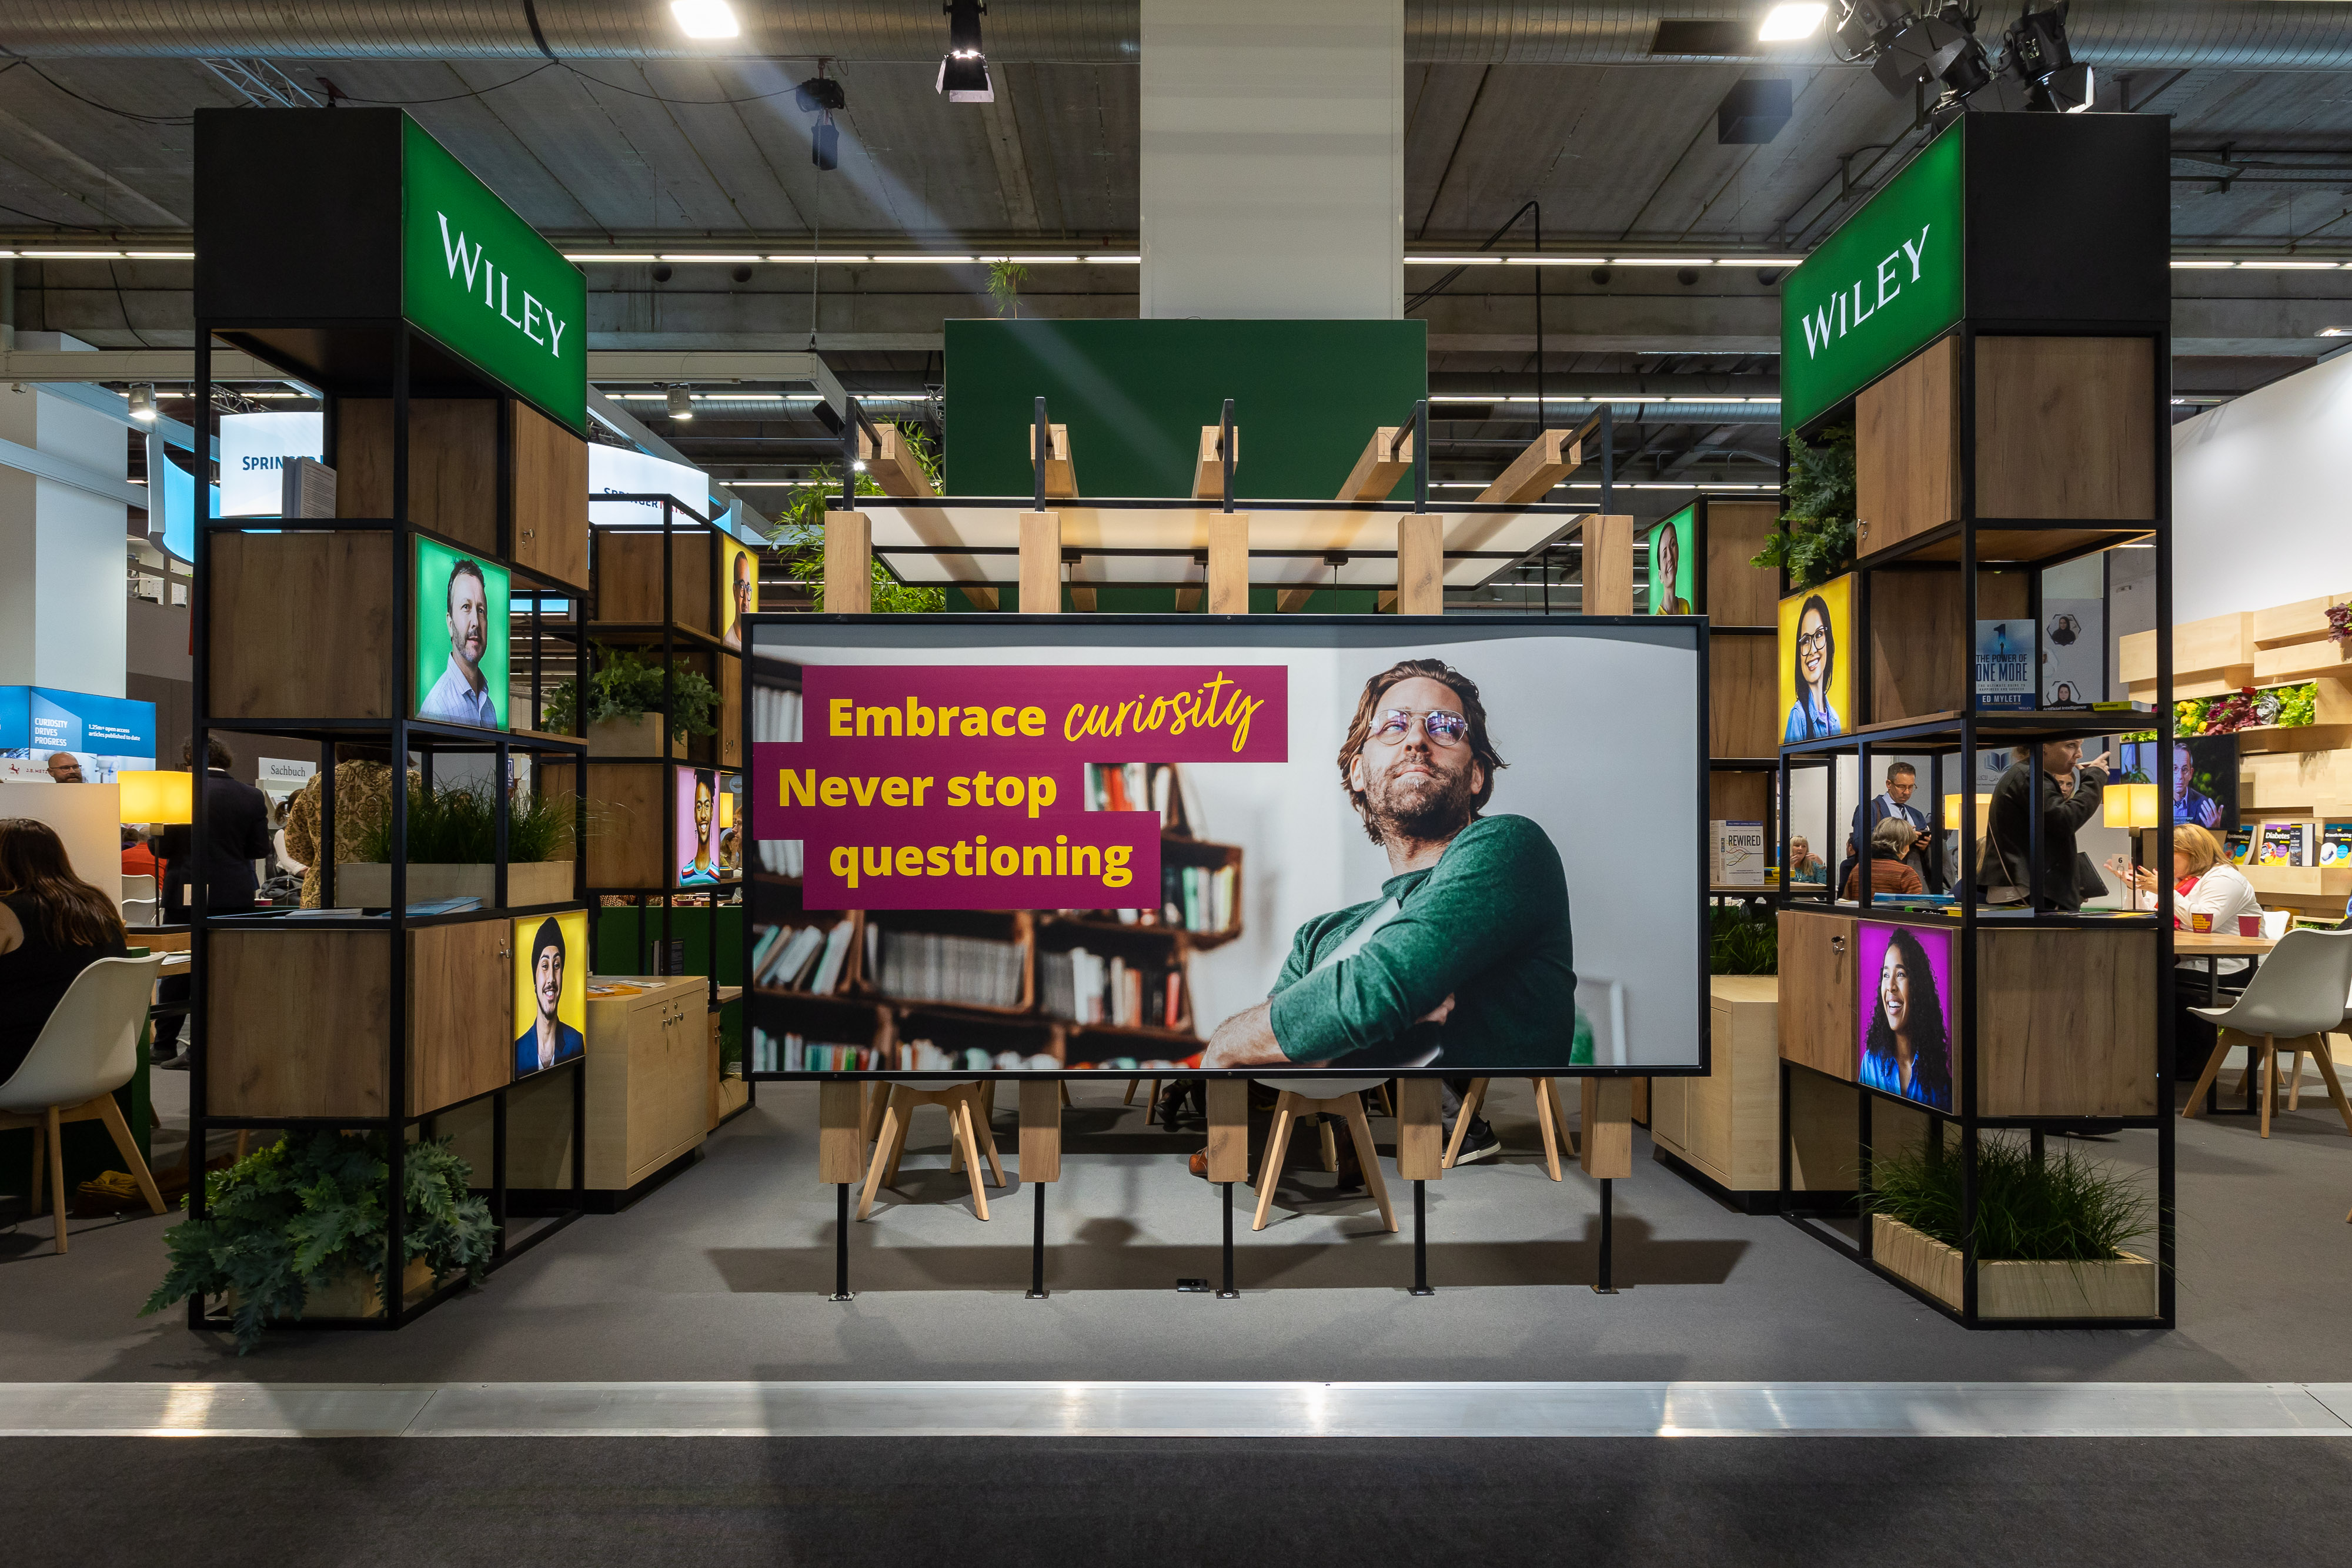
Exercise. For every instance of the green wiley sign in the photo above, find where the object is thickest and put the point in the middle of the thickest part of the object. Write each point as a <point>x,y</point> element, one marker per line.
<point>1885,284</point>
<point>483,282</point>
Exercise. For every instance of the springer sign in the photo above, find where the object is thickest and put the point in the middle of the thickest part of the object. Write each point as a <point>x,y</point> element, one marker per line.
<point>1885,285</point>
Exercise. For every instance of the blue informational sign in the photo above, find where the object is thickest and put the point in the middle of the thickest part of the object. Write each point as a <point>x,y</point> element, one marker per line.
<point>180,510</point>
<point>72,737</point>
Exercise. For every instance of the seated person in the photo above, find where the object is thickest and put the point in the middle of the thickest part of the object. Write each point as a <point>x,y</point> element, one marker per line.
<point>1803,864</point>
<point>52,925</point>
<point>2204,883</point>
<point>1890,841</point>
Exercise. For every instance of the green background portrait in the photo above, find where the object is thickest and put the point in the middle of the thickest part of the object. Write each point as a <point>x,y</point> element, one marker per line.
<point>1680,523</point>
<point>433,561</point>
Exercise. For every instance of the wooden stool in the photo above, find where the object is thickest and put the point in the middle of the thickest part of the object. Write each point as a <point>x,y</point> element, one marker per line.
<point>1550,1115</point>
<point>1343,1099</point>
<point>2262,1071</point>
<point>962,1102</point>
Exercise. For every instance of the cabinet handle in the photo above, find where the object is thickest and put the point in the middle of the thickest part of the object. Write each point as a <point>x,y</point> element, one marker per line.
<point>1837,944</point>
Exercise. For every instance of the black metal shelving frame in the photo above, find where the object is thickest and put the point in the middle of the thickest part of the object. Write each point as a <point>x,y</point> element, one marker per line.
<point>400,734</point>
<point>1960,733</point>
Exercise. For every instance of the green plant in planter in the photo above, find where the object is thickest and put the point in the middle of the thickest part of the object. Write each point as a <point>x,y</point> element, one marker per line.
<point>290,1218</point>
<point>1816,538</point>
<point>626,685</point>
<point>1741,943</point>
<point>2062,1208</point>
<point>798,534</point>
<point>458,824</point>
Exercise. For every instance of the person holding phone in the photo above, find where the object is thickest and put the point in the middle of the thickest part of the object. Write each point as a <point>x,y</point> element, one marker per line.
<point>2054,780</point>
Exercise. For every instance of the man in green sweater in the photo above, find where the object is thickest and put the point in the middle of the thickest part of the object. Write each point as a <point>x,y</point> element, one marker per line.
<point>1466,956</point>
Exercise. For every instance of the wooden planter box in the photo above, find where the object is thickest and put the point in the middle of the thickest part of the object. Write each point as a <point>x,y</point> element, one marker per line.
<point>638,736</point>
<point>2122,1289</point>
<point>368,884</point>
<point>353,1293</point>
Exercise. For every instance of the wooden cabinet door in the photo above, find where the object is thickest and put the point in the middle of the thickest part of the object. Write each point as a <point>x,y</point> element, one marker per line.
<point>1669,1114</point>
<point>1709,1138</point>
<point>461,1003</point>
<point>550,497</point>
<point>1816,1009</point>
<point>668,1098</point>
<point>1906,457</point>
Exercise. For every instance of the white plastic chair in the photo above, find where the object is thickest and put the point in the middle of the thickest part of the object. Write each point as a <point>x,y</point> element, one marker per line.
<point>86,1049</point>
<point>2297,996</point>
<point>138,901</point>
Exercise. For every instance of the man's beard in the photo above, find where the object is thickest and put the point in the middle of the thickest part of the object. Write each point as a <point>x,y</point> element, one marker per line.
<point>1427,812</point>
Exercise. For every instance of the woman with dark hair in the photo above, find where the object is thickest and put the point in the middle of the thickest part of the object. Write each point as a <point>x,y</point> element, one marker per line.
<point>52,925</point>
<point>1811,717</point>
<point>1907,1052</point>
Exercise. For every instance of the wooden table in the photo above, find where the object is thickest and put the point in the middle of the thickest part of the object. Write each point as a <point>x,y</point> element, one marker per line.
<point>2211,947</point>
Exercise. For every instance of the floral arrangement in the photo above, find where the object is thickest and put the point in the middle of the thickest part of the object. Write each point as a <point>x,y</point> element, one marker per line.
<point>2278,707</point>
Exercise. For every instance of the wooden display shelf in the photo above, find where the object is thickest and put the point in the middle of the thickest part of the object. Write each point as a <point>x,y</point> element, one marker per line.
<point>453,484</point>
<point>2272,737</point>
<point>322,1047</point>
<point>628,587</point>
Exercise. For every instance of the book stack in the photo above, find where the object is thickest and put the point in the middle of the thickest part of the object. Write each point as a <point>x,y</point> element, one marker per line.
<point>779,857</point>
<point>775,714</point>
<point>1197,897</point>
<point>803,958</point>
<point>964,971</point>
<point>1087,988</point>
<point>1133,786</point>
<point>790,1053</point>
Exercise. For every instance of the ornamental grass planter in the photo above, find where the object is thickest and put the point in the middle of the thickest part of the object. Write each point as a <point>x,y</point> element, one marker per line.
<point>368,884</point>
<point>2122,1287</point>
<point>353,1293</point>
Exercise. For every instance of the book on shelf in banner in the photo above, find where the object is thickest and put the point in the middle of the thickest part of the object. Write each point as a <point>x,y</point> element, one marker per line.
<point>2335,847</point>
<point>2004,663</point>
<point>933,967</point>
<point>2285,845</point>
<point>2240,846</point>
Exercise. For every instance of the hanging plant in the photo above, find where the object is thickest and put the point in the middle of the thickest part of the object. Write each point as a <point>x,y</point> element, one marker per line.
<point>1816,537</point>
<point>1004,281</point>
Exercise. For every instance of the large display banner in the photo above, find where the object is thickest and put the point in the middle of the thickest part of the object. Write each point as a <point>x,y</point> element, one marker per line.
<point>1817,656</point>
<point>1905,974</point>
<point>1671,564</point>
<point>550,990</point>
<point>54,737</point>
<point>462,634</point>
<point>1332,843</point>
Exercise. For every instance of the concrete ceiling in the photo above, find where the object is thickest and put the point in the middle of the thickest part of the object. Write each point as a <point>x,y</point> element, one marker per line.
<point>677,155</point>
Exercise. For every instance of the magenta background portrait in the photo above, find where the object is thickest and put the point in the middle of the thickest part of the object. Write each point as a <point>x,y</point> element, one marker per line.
<point>683,844</point>
<point>1870,939</point>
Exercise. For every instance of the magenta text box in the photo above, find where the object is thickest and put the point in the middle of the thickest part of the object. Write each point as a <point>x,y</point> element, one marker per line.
<point>794,784</point>
<point>915,714</point>
<point>883,859</point>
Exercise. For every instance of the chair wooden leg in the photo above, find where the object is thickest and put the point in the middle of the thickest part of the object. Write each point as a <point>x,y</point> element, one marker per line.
<point>964,1113</point>
<point>119,1130</point>
<point>1129,1098</point>
<point>2196,1106</point>
<point>1469,1108</point>
<point>1066,1093</point>
<point>2268,1079</point>
<point>1559,1116</point>
<point>1360,1126</point>
<point>2294,1081</point>
<point>40,1163</point>
<point>1387,1101</point>
<point>57,1174</point>
<point>869,1123</point>
<point>1269,1164</point>
<point>891,1134</point>
<point>1327,1137</point>
<point>1550,1128</point>
<point>986,1134</point>
<point>2321,1059</point>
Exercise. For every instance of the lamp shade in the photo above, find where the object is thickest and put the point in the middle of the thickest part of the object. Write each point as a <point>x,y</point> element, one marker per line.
<point>156,796</point>
<point>2128,806</point>
<point>1952,813</point>
<point>727,808</point>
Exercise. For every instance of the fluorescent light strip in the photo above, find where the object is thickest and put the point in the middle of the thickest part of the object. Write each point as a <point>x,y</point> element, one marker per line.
<point>719,258</point>
<point>71,254</point>
<point>924,260</point>
<point>2287,265</point>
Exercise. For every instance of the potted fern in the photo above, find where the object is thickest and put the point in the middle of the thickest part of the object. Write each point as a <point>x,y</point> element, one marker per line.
<point>1816,538</point>
<point>2051,1233</point>
<point>624,702</point>
<point>453,835</point>
<point>299,1229</point>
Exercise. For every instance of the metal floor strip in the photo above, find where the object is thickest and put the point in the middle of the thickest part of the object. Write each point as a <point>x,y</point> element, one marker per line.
<point>1037,1410</point>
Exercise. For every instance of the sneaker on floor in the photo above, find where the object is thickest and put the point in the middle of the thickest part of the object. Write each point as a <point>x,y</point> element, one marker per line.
<point>1480,1145</point>
<point>177,1064</point>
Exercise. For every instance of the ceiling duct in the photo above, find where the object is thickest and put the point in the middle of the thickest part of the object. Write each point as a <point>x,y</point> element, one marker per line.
<point>2112,34</point>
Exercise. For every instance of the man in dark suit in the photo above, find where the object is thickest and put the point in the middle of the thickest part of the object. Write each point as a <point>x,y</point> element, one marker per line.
<point>236,825</point>
<point>549,1040</point>
<point>1925,858</point>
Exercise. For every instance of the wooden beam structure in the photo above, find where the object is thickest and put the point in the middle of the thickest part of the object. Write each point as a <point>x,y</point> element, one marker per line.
<point>1229,563</point>
<point>1061,471</point>
<point>1040,563</point>
<point>1421,565</point>
<point>1209,472</point>
<point>892,464</point>
<point>848,563</point>
<point>1608,564</point>
<point>1550,457</point>
<point>1376,472</point>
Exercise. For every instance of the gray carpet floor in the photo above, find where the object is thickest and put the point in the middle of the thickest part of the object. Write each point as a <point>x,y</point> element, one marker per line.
<point>1817,1501</point>
<point>722,1273</point>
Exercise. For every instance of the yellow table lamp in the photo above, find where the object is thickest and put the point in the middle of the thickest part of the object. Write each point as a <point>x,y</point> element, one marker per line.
<point>167,797</point>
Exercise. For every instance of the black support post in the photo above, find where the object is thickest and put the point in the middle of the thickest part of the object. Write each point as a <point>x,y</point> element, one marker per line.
<point>1226,1293</point>
<point>1038,1291</point>
<point>841,1290</point>
<point>1420,1286</point>
<point>1603,1286</point>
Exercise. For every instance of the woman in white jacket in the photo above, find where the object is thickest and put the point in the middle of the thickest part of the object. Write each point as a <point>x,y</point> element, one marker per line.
<point>2204,883</point>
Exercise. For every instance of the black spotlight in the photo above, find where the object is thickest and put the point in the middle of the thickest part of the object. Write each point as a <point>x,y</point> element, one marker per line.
<point>821,96</point>
<point>963,71</point>
<point>2038,52</point>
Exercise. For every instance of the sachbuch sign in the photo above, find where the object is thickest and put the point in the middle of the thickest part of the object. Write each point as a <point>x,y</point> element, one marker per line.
<point>483,282</point>
<point>1885,284</point>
